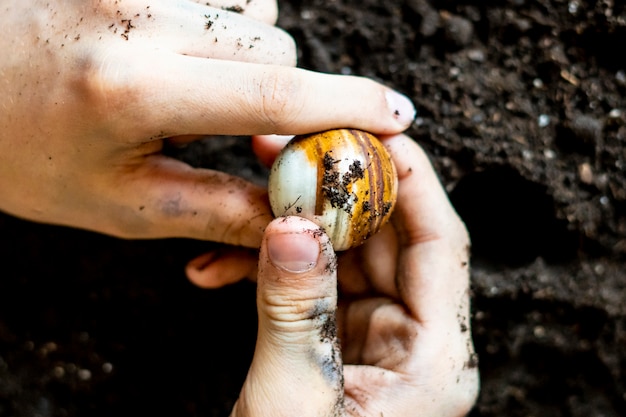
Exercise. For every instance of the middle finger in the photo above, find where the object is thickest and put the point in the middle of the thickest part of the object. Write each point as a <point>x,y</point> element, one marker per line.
<point>189,28</point>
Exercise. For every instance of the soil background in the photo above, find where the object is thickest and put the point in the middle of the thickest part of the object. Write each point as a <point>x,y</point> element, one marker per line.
<point>521,107</point>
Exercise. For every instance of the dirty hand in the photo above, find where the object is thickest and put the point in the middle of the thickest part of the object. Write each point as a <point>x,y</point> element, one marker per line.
<point>402,322</point>
<point>91,91</point>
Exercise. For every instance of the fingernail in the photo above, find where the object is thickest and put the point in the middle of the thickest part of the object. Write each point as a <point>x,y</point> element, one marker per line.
<point>293,252</point>
<point>401,107</point>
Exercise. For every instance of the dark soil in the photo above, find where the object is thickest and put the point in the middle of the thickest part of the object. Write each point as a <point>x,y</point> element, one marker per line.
<point>521,106</point>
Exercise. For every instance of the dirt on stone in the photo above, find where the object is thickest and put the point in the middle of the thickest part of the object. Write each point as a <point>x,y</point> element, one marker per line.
<point>521,108</point>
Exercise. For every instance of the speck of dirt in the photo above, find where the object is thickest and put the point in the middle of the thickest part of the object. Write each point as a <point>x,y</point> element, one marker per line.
<point>463,327</point>
<point>472,361</point>
<point>317,232</point>
<point>329,162</point>
<point>335,185</point>
<point>355,172</point>
<point>331,267</point>
<point>234,9</point>
<point>328,329</point>
<point>208,23</point>
<point>127,24</point>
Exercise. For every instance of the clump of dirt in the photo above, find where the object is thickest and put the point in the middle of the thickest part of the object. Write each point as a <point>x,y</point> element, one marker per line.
<point>521,107</point>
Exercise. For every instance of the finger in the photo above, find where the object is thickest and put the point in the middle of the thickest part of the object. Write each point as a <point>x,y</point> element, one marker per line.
<point>297,359</point>
<point>196,30</point>
<point>434,246</point>
<point>267,147</point>
<point>193,29</point>
<point>223,267</point>
<point>262,10</point>
<point>230,36</point>
<point>235,98</point>
<point>163,197</point>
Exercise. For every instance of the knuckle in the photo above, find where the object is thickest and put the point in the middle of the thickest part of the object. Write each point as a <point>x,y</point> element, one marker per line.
<point>108,90</point>
<point>101,84</point>
<point>280,100</point>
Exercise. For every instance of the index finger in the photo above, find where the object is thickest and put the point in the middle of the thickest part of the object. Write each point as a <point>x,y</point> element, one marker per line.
<point>433,266</point>
<point>177,95</point>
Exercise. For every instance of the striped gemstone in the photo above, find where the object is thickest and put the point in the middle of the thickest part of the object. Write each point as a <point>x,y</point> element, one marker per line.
<point>344,180</point>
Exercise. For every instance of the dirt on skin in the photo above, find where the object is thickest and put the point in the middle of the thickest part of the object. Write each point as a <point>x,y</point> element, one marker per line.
<point>521,107</point>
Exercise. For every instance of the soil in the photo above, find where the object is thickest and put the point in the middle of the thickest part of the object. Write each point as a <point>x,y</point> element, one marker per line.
<point>521,107</point>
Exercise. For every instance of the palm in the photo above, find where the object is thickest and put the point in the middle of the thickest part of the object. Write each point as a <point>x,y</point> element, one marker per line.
<point>401,338</point>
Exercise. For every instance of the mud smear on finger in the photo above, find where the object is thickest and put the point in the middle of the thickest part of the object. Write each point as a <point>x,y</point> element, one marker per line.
<point>327,354</point>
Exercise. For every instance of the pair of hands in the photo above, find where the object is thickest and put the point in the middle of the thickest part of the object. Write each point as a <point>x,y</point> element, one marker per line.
<point>91,92</point>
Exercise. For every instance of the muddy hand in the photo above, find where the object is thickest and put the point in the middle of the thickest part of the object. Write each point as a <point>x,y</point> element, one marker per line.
<point>404,312</point>
<point>92,90</point>
<point>297,368</point>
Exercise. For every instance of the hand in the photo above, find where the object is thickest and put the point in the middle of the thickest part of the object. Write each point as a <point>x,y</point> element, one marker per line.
<point>403,321</point>
<point>91,91</point>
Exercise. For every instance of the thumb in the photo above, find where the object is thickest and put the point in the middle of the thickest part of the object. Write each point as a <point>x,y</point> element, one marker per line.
<point>297,367</point>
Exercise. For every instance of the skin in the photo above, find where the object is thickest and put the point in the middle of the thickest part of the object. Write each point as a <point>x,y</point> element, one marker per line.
<point>400,303</point>
<point>92,90</point>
